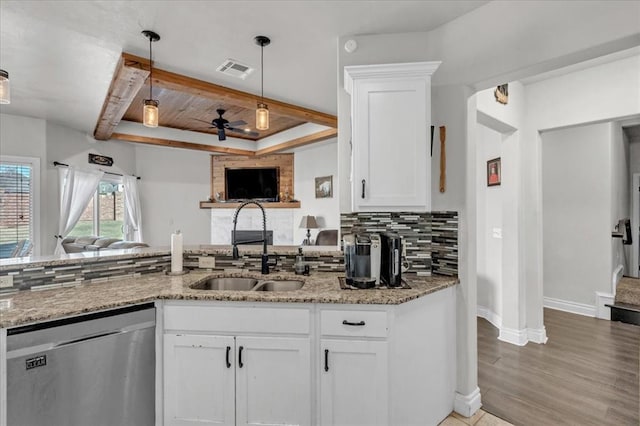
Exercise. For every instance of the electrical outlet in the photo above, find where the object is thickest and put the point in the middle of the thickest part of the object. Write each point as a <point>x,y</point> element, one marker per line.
<point>6,281</point>
<point>206,262</point>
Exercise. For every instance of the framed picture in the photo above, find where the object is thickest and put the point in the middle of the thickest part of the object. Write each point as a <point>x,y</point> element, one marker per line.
<point>324,187</point>
<point>494,174</point>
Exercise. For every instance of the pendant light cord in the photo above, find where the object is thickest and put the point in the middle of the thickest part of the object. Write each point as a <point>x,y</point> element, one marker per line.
<point>262,72</point>
<point>150,68</point>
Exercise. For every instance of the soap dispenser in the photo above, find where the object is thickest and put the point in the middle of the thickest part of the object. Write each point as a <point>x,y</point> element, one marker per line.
<point>299,266</point>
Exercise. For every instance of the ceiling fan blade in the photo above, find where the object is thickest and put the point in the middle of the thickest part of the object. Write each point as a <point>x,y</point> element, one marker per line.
<point>203,121</point>
<point>236,123</point>
<point>244,132</point>
<point>199,129</point>
<point>221,135</point>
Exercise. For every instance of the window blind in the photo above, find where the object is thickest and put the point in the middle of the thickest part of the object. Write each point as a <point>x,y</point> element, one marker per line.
<point>16,206</point>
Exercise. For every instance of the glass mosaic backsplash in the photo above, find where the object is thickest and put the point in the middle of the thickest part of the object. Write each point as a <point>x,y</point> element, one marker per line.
<point>431,239</point>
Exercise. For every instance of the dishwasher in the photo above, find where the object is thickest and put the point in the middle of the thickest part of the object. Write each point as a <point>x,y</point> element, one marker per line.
<point>94,369</point>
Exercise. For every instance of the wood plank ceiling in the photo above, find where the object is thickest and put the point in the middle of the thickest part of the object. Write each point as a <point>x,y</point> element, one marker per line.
<point>190,104</point>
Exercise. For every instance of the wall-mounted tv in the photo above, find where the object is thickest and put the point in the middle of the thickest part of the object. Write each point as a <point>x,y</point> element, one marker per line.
<point>252,183</point>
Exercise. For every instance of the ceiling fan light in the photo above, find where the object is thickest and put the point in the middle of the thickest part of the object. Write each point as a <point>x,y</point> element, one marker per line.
<point>5,93</point>
<point>262,117</point>
<point>150,113</point>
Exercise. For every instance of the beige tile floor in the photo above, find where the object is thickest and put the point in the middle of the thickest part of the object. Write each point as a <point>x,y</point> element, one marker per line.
<point>480,418</point>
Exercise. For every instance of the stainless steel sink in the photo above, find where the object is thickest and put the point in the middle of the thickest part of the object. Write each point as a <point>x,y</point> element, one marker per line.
<point>236,284</point>
<point>247,284</point>
<point>279,285</point>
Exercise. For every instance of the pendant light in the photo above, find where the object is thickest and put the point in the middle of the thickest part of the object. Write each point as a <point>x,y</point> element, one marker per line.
<point>262,112</point>
<point>5,94</point>
<point>150,111</point>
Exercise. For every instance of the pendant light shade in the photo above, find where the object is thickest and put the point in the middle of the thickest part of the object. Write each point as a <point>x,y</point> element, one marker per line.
<point>262,117</point>
<point>150,113</point>
<point>262,112</point>
<point>150,118</point>
<point>5,93</point>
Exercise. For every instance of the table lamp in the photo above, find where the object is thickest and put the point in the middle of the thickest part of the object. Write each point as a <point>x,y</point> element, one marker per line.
<point>308,222</point>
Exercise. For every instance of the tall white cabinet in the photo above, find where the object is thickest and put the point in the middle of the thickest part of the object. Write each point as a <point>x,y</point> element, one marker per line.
<point>391,139</point>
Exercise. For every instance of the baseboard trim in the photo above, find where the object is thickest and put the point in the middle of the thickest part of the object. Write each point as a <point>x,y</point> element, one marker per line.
<point>467,405</point>
<point>537,335</point>
<point>513,336</point>
<point>489,315</point>
<point>571,307</point>
<point>602,299</point>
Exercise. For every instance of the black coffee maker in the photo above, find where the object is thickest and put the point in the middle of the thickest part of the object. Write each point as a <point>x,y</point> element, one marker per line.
<point>391,259</point>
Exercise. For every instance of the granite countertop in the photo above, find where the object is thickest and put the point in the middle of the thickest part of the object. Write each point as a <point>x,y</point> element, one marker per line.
<point>36,306</point>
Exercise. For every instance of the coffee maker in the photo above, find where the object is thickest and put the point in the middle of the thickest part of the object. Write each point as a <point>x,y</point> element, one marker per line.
<point>362,260</point>
<point>391,259</point>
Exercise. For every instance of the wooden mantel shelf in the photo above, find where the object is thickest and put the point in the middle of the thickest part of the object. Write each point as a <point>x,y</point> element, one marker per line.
<point>210,205</point>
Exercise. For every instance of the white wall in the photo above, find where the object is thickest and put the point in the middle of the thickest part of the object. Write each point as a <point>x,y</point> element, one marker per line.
<point>576,188</point>
<point>489,218</point>
<point>173,183</point>
<point>587,96</point>
<point>311,162</point>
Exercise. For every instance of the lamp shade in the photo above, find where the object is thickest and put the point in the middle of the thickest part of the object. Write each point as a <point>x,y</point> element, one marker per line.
<point>262,117</point>
<point>150,115</point>
<point>308,222</point>
<point>5,94</point>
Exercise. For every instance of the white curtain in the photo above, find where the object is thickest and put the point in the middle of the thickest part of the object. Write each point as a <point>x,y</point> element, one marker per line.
<point>133,212</point>
<point>76,189</point>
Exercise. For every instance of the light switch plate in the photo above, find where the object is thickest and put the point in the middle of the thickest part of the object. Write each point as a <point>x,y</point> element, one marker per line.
<point>6,281</point>
<point>206,262</point>
<point>497,233</point>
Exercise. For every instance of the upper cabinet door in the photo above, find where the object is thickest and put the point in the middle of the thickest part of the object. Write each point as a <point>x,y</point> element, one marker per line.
<point>391,119</point>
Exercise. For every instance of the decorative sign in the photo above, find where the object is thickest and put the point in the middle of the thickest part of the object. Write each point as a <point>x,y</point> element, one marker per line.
<point>502,94</point>
<point>101,160</point>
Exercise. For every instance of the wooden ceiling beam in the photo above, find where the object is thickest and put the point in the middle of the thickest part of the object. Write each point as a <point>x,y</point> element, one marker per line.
<point>204,89</point>
<point>126,83</point>
<point>298,142</point>
<point>180,144</point>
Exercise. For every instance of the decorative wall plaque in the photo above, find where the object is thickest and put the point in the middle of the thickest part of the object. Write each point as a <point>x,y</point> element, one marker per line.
<point>101,160</point>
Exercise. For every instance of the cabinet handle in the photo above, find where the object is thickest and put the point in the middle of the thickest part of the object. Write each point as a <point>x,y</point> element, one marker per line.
<point>240,364</point>
<point>326,360</point>
<point>355,324</point>
<point>364,182</point>
<point>228,362</point>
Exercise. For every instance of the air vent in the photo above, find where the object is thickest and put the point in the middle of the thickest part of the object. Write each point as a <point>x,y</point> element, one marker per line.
<point>235,69</point>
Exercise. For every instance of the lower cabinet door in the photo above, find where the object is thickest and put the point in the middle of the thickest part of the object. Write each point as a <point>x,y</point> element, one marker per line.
<point>199,384</point>
<point>273,381</point>
<point>354,385</point>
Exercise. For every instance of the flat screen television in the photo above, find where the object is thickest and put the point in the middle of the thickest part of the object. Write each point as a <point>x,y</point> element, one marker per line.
<point>252,183</point>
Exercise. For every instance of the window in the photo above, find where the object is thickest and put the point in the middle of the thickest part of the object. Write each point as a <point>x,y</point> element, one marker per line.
<point>18,193</point>
<point>104,215</point>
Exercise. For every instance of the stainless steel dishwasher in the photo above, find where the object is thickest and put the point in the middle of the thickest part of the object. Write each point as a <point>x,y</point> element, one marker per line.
<point>95,369</point>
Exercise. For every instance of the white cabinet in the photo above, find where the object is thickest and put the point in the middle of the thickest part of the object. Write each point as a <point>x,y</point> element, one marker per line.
<point>240,379</point>
<point>199,384</point>
<point>273,384</point>
<point>390,125</point>
<point>354,383</point>
<point>354,377</point>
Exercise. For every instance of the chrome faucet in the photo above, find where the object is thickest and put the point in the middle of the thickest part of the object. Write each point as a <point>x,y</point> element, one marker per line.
<point>265,257</point>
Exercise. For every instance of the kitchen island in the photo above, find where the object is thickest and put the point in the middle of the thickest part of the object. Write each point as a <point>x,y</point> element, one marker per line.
<point>317,355</point>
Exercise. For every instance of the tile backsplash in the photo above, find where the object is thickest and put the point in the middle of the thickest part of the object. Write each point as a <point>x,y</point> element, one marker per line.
<point>431,239</point>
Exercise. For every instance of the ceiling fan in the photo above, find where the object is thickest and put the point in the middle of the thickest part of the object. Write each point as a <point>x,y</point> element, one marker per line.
<point>223,125</point>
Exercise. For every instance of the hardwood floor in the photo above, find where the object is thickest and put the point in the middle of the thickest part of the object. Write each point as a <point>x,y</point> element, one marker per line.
<point>586,374</point>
